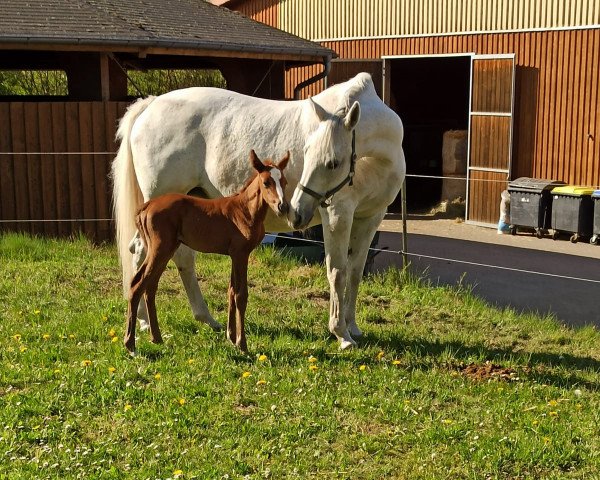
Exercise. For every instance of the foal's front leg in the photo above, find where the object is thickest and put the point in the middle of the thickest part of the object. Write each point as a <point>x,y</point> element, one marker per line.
<point>241,300</point>
<point>231,309</point>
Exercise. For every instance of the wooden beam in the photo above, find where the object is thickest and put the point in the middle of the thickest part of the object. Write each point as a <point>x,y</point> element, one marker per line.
<point>155,50</point>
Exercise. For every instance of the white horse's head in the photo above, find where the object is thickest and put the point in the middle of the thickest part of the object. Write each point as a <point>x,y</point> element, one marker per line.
<point>328,161</point>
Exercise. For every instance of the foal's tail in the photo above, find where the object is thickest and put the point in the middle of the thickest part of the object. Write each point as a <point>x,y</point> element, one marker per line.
<point>127,196</point>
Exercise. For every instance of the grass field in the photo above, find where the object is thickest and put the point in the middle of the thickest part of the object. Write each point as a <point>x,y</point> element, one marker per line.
<point>442,386</point>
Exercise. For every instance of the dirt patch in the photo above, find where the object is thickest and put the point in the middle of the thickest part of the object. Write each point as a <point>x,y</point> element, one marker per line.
<point>488,371</point>
<point>319,298</point>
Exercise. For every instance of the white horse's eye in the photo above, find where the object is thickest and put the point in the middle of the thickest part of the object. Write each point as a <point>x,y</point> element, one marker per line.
<point>332,165</point>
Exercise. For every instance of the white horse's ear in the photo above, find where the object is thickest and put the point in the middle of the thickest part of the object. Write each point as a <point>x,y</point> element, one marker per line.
<point>320,112</point>
<point>256,163</point>
<point>284,161</point>
<point>352,117</point>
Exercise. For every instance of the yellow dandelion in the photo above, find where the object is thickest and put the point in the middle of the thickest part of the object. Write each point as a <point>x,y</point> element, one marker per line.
<point>46,336</point>
<point>57,371</point>
<point>178,473</point>
<point>362,368</point>
<point>261,382</point>
<point>114,339</point>
<point>578,406</point>
<point>22,348</point>
<point>312,359</point>
<point>127,407</point>
<point>112,370</point>
<point>553,414</point>
<point>181,401</point>
<point>547,440</point>
<point>104,318</point>
<point>552,403</point>
<point>111,332</point>
<point>534,423</point>
<point>190,361</point>
<point>380,355</point>
<point>262,358</point>
<point>37,312</point>
<point>157,376</point>
<point>313,368</point>
<point>71,336</point>
<point>86,363</point>
<point>17,337</point>
<point>396,362</point>
<point>246,374</point>
<point>447,421</point>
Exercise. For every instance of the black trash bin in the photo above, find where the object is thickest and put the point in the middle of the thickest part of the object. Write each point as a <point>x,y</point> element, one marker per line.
<point>531,204</point>
<point>596,223</point>
<point>572,211</point>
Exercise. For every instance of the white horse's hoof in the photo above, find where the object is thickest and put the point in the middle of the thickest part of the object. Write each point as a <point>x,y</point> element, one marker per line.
<point>144,325</point>
<point>346,344</point>
<point>216,326</point>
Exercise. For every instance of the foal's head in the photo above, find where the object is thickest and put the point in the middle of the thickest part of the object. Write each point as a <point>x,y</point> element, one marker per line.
<point>272,182</point>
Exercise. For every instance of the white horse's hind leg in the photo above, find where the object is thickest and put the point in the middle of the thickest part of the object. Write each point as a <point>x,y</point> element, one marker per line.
<point>136,247</point>
<point>336,233</point>
<point>184,258</point>
<point>363,230</point>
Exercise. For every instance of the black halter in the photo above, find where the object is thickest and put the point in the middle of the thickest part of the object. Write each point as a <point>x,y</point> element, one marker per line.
<point>323,199</point>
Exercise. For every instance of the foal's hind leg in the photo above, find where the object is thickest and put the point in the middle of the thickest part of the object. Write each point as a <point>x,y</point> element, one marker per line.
<point>136,291</point>
<point>153,273</point>
<point>184,259</point>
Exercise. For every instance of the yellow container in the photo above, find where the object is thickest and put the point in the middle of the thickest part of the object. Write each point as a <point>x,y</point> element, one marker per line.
<point>572,190</point>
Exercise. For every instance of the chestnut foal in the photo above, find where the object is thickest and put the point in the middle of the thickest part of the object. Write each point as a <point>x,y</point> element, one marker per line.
<point>229,226</point>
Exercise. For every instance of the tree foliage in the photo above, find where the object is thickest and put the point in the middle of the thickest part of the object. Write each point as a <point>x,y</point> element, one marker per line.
<point>151,82</point>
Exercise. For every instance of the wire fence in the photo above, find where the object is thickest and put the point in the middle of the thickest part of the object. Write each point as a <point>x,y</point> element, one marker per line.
<point>311,241</point>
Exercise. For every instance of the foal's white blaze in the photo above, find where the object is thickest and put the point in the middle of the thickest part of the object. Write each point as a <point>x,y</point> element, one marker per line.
<point>276,175</point>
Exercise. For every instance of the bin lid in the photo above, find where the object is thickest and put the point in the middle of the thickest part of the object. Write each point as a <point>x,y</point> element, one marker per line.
<point>533,184</point>
<point>572,190</point>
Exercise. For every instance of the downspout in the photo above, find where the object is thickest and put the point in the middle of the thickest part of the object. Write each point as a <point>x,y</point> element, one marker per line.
<point>316,78</point>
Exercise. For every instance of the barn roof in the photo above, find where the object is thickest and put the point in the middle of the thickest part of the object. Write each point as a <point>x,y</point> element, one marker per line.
<point>177,24</point>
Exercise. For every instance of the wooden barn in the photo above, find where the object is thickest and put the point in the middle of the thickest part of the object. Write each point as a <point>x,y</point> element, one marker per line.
<point>56,152</point>
<point>519,78</point>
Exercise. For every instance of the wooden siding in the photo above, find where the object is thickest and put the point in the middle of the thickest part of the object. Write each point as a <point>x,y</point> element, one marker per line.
<point>557,105</point>
<point>485,185</point>
<point>67,184</point>
<point>336,19</point>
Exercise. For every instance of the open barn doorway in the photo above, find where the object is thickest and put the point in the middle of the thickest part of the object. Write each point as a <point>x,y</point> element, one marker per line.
<point>431,95</point>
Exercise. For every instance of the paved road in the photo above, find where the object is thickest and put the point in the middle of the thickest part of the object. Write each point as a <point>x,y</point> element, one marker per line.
<point>574,302</point>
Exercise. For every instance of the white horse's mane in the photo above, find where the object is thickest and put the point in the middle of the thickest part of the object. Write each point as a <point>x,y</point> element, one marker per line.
<point>354,87</point>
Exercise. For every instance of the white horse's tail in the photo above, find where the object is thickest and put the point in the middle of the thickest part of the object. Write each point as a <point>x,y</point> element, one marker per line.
<point>127,196</point>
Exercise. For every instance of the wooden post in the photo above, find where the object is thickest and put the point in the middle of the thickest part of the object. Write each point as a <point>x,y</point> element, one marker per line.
<point>404,230</point>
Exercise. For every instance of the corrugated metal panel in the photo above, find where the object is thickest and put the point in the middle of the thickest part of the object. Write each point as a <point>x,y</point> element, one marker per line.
<point>264,11</point>
<point>337,19</point>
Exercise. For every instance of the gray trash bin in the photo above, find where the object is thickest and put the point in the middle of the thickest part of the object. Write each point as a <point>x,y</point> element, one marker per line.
<point>596,223</point>
<point>531,204</point>
<point>572,211</point>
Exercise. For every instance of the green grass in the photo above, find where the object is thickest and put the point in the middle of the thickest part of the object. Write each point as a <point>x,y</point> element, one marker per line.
<point>399,407</point>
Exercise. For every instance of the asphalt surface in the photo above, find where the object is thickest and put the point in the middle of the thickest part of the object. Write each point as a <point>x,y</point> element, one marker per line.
<point>563,291</point>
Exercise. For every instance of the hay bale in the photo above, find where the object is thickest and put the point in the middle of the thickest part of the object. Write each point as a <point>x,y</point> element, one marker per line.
<point>454,152</point>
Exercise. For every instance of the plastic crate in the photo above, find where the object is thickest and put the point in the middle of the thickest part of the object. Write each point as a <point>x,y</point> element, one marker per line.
<point>572,211</point>
<point>531,204</point>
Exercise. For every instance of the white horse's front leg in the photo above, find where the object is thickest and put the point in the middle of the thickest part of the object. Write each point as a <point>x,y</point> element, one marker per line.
<point>184,258</point>
<point>336,233</point>
<point>363,230</point>
<point>137,249</point>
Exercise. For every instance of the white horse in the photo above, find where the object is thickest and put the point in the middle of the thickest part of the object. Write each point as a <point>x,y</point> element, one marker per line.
<point>199,138</point>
